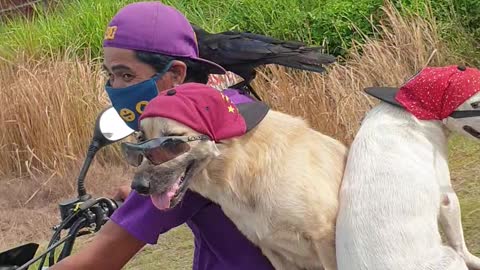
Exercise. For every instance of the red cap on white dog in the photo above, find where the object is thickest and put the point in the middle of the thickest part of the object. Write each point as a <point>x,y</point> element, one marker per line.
<point>206,110</point>
<point>434,93</point>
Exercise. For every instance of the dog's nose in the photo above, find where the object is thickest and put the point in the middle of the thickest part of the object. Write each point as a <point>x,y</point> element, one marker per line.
<point>142,186</point>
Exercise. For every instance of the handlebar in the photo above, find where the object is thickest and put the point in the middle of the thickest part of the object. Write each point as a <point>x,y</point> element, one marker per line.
<point>82,218</point>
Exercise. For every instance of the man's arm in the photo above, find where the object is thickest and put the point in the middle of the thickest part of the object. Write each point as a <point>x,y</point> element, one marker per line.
<point>111,248</point>
<point>136,223</point>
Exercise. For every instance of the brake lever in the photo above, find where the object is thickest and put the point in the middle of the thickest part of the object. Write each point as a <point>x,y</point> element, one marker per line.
<point>67,248</point>
<point>96,214</point>
<point>67,223</point>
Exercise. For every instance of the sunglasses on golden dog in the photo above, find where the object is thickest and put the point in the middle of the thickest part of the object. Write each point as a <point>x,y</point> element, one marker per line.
<point>158,150</point>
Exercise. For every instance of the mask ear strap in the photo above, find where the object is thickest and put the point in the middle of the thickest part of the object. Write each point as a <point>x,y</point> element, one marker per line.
<point>160,74</point>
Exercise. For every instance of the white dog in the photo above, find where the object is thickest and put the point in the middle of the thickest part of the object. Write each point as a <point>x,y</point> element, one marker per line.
<point>396,185</point>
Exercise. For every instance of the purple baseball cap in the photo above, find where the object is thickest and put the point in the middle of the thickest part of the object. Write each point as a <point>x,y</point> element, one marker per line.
<point>158,28</point>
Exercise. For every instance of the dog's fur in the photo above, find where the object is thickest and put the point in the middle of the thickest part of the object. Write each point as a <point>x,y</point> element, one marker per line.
<point>278,183</point>
<point>395,190</point>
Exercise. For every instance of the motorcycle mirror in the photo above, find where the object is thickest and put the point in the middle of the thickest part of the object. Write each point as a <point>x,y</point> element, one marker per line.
<point>110,127</point>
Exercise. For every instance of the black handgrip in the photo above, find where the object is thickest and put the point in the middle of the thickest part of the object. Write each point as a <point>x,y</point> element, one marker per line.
<point>118,203</point>
<point>111,204</point>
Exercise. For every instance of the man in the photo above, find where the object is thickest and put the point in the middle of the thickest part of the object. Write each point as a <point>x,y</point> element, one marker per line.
<point>150,47</point>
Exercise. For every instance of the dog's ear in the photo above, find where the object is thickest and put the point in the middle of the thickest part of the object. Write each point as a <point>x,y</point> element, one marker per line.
<point>216,152</point>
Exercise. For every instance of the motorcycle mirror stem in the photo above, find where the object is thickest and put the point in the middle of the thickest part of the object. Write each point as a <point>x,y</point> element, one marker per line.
<point>109,128</point>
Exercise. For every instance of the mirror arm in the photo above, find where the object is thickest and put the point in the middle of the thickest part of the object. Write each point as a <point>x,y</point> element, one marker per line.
<point>92,150</point>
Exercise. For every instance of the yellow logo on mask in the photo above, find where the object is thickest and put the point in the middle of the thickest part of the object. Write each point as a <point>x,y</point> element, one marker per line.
<point>140,106</point>
<point>110,33</point>
<point>127,115</point>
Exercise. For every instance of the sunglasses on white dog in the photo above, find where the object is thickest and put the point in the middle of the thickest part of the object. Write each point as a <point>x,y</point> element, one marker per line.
<point>465,114</point>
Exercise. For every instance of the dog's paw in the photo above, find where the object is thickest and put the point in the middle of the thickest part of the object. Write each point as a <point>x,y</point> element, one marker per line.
<point>472,261</point>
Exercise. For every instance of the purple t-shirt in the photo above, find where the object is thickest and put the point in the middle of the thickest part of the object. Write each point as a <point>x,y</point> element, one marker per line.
<point>219,245</point>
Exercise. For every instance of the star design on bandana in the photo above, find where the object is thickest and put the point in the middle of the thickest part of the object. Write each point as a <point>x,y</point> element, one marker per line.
<point>231,109</point>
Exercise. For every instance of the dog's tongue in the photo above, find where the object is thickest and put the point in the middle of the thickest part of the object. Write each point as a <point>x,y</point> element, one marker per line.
<point>162,201</point>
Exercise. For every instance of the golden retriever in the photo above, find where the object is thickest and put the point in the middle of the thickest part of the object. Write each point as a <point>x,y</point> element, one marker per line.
<point>278,183</point>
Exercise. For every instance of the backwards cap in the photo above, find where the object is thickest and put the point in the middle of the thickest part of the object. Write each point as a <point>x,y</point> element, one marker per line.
<point>158,28</point>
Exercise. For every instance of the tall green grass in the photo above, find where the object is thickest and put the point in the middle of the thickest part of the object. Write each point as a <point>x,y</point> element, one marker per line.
<point>80,24</point>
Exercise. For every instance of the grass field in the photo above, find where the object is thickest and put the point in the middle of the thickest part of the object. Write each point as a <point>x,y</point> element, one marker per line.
<point>465,173</point>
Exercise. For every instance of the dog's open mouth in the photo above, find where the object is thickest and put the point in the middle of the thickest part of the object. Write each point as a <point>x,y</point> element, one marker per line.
<point>174,194</point>
<point>472,131</point>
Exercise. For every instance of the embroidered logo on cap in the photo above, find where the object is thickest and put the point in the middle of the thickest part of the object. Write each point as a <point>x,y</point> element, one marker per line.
<point>110,33</point>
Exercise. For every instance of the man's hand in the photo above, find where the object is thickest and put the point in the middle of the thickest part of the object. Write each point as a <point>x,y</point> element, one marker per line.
<point>122,193</point>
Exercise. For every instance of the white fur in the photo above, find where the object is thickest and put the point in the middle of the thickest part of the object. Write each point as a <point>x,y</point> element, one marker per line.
<point>396,188</point>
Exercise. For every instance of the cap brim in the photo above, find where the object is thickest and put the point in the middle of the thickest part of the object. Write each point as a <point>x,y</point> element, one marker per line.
<point>386,94</point>
<point>212,67</point>
<point>253,113</point>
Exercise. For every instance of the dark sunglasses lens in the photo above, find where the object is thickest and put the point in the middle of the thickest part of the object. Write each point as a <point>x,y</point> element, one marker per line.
<point>465,114</point>
<point>133,157</point>
<point>169,150</point>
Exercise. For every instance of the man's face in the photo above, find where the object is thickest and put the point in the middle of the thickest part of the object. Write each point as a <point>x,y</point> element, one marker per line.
<point>124,69</point>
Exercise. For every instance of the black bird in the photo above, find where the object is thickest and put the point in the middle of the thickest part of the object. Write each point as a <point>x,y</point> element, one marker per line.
<point>242,52</point>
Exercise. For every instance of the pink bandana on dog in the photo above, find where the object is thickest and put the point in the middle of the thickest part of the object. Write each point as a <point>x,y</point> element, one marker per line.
<point>436,92</point>
<point>206,110</point>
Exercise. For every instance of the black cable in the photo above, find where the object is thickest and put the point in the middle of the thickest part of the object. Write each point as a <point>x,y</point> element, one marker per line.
<point>84,206</point>
<point>56,235</point>
<point>51,258</point>
<point>27,264</point>
<point>67,248</point>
